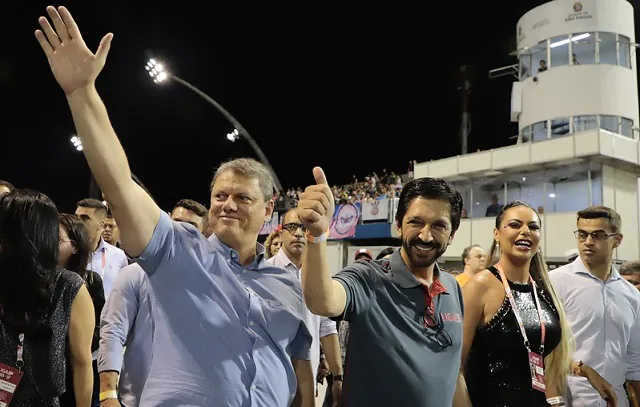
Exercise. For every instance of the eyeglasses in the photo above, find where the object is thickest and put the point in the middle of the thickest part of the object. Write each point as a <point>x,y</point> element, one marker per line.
<point>293,227</point>
<point>442,337</point>
<point>598,235</point>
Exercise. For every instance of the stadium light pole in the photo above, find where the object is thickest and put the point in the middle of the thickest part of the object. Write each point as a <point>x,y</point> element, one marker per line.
<point>160,74</point>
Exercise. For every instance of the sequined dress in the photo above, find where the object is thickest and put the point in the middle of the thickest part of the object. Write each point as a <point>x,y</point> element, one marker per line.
<point>497,370</point>
<point>44,359</point>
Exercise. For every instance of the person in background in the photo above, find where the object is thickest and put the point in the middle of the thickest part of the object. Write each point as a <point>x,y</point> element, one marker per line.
<point>474,259</point>
<point>46,313</point>
<point>273,243</point>
<point>602,308</point>
<point>385,253</point>
<point>5,187</point>
<point>110,231</point>
<point>74,256</point>
<point>630,271</point>
<point>363,254</point>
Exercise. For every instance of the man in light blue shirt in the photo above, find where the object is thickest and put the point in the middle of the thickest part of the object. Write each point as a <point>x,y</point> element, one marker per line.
<point>228,327</point>
<point>602,308</point>
<point>126,321</point>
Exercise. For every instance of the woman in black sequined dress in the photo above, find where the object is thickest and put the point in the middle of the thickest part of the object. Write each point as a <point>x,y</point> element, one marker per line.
<point>497,368</point>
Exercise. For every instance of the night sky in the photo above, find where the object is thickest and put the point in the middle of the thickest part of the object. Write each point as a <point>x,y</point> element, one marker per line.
<point>349,92</point>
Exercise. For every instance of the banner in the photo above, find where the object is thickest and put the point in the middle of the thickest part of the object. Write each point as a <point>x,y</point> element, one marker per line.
<point>376,210</point>
<point>344,222</point>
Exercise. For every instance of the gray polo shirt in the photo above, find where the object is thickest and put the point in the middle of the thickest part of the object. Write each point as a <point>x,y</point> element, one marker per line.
<point>394,359</point>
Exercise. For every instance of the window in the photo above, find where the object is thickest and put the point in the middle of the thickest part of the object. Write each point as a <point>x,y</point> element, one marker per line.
<point>534,60</point>
<point>560,127</point>
<point>584,49</point>
<point>626,127</point>
<point>625,51</point>
<point>559,51</point>
<point>609,123</point>
<point>539,131</point>
<point>584,123</point>
<point>526,134</point>
<point>607,48</point>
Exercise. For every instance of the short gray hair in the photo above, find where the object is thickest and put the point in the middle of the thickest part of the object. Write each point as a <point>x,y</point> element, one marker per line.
<point>252,169</point>
<point>630,267</point>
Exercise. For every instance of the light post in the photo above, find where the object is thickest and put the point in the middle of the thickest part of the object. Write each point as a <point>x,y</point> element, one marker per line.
<point>159,74</point>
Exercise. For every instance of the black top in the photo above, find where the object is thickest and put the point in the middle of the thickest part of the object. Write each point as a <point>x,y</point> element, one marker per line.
<point>497,371</point>
<point>44,359</point>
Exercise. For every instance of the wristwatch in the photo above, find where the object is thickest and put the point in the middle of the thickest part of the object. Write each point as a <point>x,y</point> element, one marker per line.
<point>338,378</point>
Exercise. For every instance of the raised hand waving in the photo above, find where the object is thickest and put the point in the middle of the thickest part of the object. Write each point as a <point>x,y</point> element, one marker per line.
<point>73,65</point>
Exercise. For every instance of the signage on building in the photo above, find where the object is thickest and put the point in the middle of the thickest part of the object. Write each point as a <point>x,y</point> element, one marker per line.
<point>579,13</point>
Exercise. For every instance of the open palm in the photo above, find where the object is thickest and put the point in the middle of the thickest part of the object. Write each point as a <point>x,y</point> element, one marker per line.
<point>73,65</point>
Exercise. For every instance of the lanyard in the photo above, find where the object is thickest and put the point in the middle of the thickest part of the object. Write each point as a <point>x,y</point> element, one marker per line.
<point>20,351</point>
<point>514,307</point>
<point>104,259</point>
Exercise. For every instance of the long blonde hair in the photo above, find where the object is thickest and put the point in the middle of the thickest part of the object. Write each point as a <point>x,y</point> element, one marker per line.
<point>558,362</point>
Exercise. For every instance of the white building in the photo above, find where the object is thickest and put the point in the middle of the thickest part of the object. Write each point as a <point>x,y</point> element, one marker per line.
<point>578,121</point>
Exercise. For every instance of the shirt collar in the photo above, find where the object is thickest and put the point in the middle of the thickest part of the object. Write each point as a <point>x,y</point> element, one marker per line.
<point>402,276</point>
<point>232,254</point>
<point>578,267</point>
<point>102,246</point>
<point>283,259</point>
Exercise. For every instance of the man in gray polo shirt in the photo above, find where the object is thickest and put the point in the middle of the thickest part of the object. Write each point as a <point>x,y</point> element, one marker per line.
<point>405,314</point>
<point>228,327</point>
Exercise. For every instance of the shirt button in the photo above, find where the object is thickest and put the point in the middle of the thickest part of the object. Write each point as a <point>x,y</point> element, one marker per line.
<point>251,323</point>
<point>254,387</point>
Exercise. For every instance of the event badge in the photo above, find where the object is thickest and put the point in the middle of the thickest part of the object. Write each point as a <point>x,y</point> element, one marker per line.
<point>537,371</point>
<point>9,379</point>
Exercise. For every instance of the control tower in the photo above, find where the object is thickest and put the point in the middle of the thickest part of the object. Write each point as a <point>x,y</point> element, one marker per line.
<point>575,99</point>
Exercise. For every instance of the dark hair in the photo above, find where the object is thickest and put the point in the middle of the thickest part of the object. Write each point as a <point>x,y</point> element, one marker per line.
<point>7,184</point>
<point>430,188</point>
<point>385,252</point>
<point>602,212</point>
<point>193,206</point>
<point>29,244</point>
<point>78,234</point>
<point>630,267</point>
<point>285,215</point>
<point>94,204</point>
<point>465,252</point>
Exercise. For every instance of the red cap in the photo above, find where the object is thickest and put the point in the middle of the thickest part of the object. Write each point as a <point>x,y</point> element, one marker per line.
<point>365,252</point>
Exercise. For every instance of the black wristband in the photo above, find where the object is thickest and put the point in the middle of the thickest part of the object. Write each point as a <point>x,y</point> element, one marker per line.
<point>338,378</point>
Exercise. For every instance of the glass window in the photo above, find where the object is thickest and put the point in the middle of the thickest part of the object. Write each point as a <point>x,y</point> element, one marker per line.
<point>559,51</point>
<point>625,51</point>
<point>538,59</point>
<point>607,49</point>
<point>539,131</point>
<point>525,65</point>
<point>626,127</point>
<point>560,127</point>
<point>584,49</point>
<point>465,190</point>
<point>609,123</point>
<point>488,197</point>
<point>584,123</point>
<point>596,187</point>
<point>526,134</point>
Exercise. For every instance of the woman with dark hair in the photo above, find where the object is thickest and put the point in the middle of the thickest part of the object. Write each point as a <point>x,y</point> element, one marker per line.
<point>517,340</point>
<point>75,253</point>
<point>42,306</point>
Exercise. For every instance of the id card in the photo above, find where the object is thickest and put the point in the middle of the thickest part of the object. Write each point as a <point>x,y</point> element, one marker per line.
<point>536,363</point>
<point>9,379</point>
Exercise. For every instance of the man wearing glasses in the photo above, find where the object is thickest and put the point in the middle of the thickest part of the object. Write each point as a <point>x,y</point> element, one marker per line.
<point>322,329</point>
<point>602,308</point>
<point>405,314</point>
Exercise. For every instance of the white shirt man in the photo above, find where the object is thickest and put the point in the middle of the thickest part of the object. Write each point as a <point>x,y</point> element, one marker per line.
<point>602,308</point>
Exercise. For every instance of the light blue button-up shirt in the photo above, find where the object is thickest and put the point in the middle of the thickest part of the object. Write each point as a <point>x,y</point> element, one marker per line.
<point>126,321</point>
<point>224,333</point>
<point>604,317</point>
<point>107,261</point>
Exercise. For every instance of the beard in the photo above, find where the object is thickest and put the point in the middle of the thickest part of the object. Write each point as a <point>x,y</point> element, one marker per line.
<point>418,256</point>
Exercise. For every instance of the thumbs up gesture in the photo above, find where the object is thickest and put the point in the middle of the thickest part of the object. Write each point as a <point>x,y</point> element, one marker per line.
<point>316,205</point>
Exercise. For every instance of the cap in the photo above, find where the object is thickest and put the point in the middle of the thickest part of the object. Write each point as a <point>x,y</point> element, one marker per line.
<point>365,252</point>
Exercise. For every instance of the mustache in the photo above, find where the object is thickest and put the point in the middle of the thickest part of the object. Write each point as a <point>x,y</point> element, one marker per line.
<point>430,245</point>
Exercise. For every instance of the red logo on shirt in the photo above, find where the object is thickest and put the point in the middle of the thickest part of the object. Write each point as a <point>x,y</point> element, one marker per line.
<point>450,317</point>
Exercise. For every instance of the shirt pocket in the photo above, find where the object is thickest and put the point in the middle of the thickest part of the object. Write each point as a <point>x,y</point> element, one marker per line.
<point>281,322</point>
